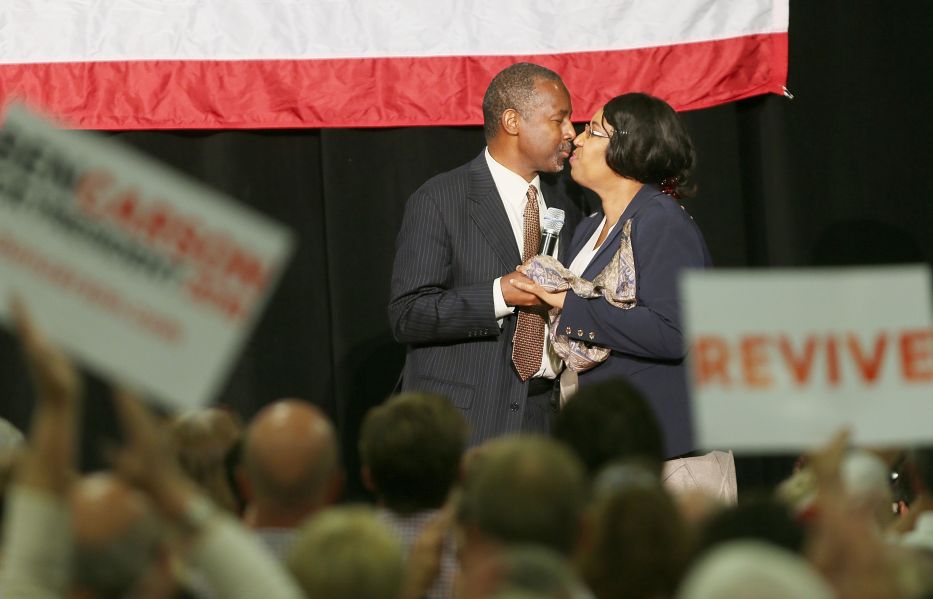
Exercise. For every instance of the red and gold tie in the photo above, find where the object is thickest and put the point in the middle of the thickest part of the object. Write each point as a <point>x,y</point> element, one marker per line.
<point>528,344</point>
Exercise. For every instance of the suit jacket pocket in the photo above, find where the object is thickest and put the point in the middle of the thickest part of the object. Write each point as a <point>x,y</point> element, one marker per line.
<point>459,394</point>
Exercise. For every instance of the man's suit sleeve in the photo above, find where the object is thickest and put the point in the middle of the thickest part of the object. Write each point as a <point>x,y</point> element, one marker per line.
<point>664,244</point>
<point>423,307</point>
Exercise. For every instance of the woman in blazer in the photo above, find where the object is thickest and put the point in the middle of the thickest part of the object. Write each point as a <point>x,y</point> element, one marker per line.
<point>637,156</point>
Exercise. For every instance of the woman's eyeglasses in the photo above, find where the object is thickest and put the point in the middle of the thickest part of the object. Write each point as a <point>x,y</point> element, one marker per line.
<point>590,132</point>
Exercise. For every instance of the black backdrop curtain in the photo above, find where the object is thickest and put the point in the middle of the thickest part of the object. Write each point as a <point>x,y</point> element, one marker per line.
<point>838,175</point>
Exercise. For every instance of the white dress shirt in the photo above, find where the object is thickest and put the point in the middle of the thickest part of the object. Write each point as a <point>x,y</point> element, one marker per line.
<point>513,190</point>
<point>569,382</point>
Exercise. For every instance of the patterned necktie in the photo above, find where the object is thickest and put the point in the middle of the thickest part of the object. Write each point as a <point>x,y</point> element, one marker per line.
<point>528,344</point>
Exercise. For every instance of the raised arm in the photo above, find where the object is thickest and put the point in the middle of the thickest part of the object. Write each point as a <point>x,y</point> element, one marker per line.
<point>37,549</point>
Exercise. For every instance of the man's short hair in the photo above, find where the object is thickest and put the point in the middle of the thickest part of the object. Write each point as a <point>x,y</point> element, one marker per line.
<point>610,421</point>
<point>525,489</point>
<point>412,445</point>
<point>346,553</point>
<point>513,87</point>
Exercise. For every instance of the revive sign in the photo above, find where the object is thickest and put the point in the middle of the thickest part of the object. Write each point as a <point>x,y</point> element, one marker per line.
<point>780,359</point>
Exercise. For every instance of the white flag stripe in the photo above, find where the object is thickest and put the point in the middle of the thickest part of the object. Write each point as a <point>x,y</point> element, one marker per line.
<point>50,31</point>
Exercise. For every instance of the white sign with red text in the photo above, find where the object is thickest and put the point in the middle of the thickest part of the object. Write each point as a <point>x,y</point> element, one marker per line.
<point>141,274</point>
<point>781,359</point>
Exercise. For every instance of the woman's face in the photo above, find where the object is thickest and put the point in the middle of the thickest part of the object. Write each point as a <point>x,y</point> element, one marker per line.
<point>588,162</point>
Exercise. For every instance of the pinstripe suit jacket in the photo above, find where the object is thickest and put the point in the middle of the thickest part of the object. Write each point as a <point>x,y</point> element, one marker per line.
<point>455,240</point>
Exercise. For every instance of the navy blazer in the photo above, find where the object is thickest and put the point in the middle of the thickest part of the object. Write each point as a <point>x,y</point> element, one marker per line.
<point>455,240</point>
<point>647,341</point>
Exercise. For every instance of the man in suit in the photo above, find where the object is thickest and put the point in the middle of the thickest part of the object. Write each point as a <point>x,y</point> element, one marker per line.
<point>461,239</point>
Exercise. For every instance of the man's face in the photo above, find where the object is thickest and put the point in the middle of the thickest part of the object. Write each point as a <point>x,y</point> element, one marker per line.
<point>545,131</point>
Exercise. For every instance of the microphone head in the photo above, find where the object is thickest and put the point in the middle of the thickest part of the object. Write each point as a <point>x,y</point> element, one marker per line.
<point>553,221</point>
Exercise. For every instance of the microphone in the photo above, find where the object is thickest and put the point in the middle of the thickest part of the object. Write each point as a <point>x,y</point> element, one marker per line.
<point>553,222</point>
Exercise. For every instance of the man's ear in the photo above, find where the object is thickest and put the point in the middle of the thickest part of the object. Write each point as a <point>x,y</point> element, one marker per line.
<point>367,476</point>
<point>243,484</point>
<point>509,121</point>
<point>334,490</point>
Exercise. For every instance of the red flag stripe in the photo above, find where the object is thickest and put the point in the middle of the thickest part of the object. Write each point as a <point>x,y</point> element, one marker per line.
<point>378,92</point>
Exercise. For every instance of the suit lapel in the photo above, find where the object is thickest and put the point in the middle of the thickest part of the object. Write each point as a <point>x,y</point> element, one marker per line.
<point>582,234</point>
<point>489,214</point>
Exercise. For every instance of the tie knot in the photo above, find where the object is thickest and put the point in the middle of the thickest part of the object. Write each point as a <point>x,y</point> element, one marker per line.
<point>531,206</point>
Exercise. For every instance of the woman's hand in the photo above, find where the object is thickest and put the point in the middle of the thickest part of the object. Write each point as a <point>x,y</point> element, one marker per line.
<point>555,300</point>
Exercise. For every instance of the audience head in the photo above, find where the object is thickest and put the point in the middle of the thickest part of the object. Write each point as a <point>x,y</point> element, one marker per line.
<point>757,518</point>
<point>346,553</point>
<point>291,463</point>
<point>116,536</point>
<point>747,569</point>
<point>610,421</point>
<point>648,142</point>
<point>634,544</point>
<point>411,447</point>
<point>530,571</point>
<point>523,490</point>
<point>202,440</point>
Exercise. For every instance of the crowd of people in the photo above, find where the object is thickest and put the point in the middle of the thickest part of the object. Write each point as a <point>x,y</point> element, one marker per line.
<point>526,455</point>
<point>201,505</point>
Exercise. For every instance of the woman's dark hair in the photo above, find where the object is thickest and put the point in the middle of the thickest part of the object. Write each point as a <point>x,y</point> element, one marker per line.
<point>649,143</point>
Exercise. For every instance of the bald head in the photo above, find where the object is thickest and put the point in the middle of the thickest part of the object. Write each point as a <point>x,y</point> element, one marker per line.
<point>116,534</point>
<point>103,508</point>
<point>291,457</point>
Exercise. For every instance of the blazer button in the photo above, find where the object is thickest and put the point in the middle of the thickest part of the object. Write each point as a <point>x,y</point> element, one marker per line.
<point>568,330</point>
<point>579,332</point>
<point>514,406</point>
<point>592,335</point>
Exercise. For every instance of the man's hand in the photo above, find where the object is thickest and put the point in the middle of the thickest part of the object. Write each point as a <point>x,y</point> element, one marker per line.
<point>517,297</point>
<point>54,432</point>
<point>551,300</point>
<point>56,380</point>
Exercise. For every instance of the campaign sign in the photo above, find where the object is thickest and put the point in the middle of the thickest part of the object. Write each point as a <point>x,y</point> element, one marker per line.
<point>781,359</point>
<point>139,273</point>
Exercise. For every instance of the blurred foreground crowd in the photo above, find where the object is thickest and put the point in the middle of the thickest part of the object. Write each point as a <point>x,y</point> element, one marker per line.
<point>200,505</point>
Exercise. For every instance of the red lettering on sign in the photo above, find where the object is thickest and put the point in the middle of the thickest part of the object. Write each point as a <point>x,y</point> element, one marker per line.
<point>832,360</point>
<point>711,359</point>
<point>917,355</point>
<point>801,365</point>
<point>868,367</point>
<point>755,361</point>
